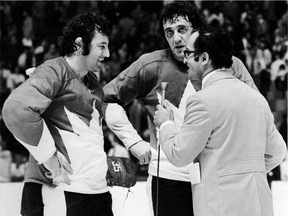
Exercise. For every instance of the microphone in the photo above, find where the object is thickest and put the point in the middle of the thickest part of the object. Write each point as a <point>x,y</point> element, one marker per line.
<point>163,88</point>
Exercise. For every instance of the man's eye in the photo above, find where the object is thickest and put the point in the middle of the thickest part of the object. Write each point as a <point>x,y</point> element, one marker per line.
<point>169,33</point>
<point>182,30</point>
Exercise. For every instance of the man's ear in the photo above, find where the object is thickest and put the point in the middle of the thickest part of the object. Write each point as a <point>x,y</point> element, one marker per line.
<point>79,43</point>
<point>205,58</point>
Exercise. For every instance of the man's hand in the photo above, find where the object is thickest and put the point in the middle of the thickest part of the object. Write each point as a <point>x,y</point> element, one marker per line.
<point>141,150</point>
<point>163,114</point>
<point>58,168</point>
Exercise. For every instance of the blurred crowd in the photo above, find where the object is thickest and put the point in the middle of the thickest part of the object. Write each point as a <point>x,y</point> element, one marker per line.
<point>29,32</point>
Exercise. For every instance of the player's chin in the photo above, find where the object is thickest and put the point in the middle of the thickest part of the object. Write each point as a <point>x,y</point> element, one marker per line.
<point>98,66</point>
<point>179,55</point>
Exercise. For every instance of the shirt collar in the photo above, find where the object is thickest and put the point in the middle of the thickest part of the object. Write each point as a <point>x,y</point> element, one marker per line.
<point>204,80</point>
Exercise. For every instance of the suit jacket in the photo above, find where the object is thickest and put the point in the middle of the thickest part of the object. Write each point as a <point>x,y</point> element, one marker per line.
<point>230,129</point>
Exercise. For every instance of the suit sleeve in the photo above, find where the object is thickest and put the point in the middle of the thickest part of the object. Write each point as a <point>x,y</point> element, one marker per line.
<point>23,108</point>
<point>276,149</point>
<point>181,148</point>
<point>240,71</point>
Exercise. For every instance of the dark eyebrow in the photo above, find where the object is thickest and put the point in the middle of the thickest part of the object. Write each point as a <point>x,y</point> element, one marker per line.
<point>167,28</point>
<point>102,43</point>
<point>178,26</point>
<point>183,25</point>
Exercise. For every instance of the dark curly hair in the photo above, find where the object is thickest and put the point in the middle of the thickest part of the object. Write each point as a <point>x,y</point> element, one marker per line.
<point>181,8</point>
<point>217,43</point>
<point>83,26</point>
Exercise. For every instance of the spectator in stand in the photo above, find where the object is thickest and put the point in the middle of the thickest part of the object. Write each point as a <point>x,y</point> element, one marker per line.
<point>18,167</point>
<point>52,52</point>
<point>27,27</point>
<point>5,162</point>
<point>281,81</point>
<point>5,72</point>
<point>25,59</point>
<point>279,60</point>
<point>15,79</point>
<point>262,28</point>
<point>261,61</point>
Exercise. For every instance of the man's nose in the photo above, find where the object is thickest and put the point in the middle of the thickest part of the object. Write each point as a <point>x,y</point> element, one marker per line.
<point>106,53</point>
<point>177,38</point>
<point>185,61</point>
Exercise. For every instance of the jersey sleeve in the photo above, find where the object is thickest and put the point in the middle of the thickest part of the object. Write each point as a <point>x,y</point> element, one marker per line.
<point>23,108</point>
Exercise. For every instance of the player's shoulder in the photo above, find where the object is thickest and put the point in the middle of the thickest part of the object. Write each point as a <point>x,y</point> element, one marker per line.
<point>57,66</point>
<point>155,56</point>
<point>56,63</point>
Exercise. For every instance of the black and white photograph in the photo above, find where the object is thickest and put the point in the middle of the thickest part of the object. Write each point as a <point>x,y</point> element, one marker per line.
<point>143,108</point>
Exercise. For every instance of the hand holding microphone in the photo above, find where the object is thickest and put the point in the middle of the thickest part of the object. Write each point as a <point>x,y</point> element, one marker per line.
<point>163,112</point>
